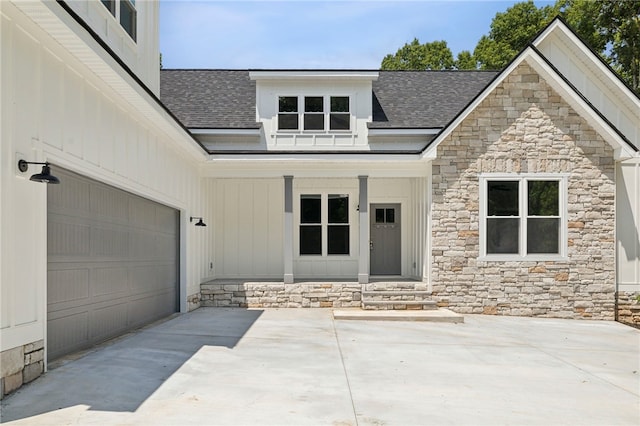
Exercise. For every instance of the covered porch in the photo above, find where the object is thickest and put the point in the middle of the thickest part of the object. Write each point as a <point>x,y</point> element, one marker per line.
<point>340,224</point>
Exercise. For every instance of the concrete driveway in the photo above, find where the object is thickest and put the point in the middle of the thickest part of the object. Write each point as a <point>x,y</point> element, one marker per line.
<point>299,366</point>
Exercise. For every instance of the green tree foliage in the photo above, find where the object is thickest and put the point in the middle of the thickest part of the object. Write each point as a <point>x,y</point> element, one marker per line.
<point>510,32</point>
<point>416,56</point>
<point>466,61</point>
<point>611,28</point>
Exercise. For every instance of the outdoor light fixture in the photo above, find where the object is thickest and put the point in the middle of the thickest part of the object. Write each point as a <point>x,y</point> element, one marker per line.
<point>198,223</point>
<point>44,176</point>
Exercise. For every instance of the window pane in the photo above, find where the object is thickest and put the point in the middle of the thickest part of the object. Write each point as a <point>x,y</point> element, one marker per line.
<point>338,209</point>
<point>391,215</point>
<point>110,5</point>
<point>314,121</point>
<point>128,18</point>
<point>543,236</point>
<point>502,235</point>
<point>339,121</point>
<point>310,239</point>
<point>310,209</point>
<point>543,197</point>
<point>313,104</point>
<point>288,104</point>
<point>502,198</point>
<point>339,104</point>
<point>287,121</point>
<point>379,215</point>
<point>338,239</point>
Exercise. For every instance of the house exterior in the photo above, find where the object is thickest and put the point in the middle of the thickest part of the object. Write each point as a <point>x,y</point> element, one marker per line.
<point>514,192</point>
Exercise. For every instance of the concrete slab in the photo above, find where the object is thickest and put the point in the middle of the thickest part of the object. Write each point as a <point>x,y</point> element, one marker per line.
<point>300,366</point>
<point>432,315</point>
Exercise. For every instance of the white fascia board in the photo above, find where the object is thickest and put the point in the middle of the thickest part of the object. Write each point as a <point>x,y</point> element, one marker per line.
<point>64,29</point>
<point>313,74</point>
<point>404,132</point>
<point>557,28</point>
<point>225,132</point>
<point>316,157</point>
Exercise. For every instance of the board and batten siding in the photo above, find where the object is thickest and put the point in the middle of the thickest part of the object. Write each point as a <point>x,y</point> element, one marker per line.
<point>248,225</point>
<point>54,109</point>
<point>628,225</point>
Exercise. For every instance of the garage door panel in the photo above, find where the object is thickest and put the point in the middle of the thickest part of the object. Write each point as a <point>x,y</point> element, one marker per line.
<point>108,321</point>
<point>109,281</point>
<point>67,285</point>
<point>72,199</point>
<point>67,239</point>
<point>165,221</point>
<point>129,265</point>
<point>108,205</point>
<point>109,242</point>
<point>72,333</point>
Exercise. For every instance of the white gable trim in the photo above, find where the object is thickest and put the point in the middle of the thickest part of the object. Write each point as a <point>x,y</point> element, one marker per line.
<point>621,148</point>
<point>558,25</point>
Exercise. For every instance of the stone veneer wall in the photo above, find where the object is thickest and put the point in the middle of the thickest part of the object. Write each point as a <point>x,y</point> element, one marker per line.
<point>628,308</point>
<point>280,295</point>
<point>20,366</point>
<point>524,126</point>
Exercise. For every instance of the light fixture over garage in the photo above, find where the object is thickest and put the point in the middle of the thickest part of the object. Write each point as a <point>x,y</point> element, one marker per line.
<point>44,176</point>
<point>199,222</point>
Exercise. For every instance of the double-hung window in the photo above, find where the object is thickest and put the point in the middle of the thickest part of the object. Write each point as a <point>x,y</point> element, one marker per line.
<point>324,224</point>
<point>125,12</point>
<point>314,113</point>
<point>523,217</point>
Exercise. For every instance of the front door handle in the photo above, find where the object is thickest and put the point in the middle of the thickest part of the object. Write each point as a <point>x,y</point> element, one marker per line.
<point>370,244</point>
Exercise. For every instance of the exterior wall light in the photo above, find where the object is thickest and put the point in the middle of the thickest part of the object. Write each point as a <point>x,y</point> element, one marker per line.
<point>44,176</point>
<point>198,223</point>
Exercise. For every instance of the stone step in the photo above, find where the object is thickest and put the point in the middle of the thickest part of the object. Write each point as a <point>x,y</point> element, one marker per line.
<point>435,315</point>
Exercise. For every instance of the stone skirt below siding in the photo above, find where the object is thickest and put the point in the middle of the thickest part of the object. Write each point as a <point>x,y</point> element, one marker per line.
<point>248,294</point>
<point>628,308</point>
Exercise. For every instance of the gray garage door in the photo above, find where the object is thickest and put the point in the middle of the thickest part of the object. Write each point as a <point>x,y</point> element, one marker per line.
<point>112,262</point>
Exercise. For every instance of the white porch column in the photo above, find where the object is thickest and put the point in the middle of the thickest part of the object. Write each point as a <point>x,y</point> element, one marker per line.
<point>427,234</point>
<point>363,258</point>
<point>288,229</point>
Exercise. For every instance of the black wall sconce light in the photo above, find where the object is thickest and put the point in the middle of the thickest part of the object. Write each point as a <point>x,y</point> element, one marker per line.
<point>198,223</point>
<point>44,176</point>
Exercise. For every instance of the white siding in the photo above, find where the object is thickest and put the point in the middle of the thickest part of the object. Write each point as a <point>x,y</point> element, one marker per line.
<point>142,55</point>
<point>248,227</point>
<point>628,224</point>
<point>54,109</point>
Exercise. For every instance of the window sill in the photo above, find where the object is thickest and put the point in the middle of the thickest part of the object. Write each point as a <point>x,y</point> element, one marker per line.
<point>518,258</point>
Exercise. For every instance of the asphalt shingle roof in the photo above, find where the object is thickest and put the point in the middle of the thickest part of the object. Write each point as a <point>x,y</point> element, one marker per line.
<point>226,99</point>
<point>210,99</point>
<point>424,99</point>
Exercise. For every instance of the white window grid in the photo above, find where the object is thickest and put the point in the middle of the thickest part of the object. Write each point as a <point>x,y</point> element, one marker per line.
<point>523,179</point>
<point>327,112</point>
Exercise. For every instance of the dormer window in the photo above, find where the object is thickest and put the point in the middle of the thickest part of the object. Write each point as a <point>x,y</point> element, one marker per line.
<point>319,112</point>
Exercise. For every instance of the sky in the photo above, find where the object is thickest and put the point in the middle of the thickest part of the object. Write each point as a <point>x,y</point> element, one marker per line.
<point>304,34</point>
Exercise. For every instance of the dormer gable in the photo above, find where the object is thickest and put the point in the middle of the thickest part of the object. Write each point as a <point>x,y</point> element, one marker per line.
<point>314,109</point>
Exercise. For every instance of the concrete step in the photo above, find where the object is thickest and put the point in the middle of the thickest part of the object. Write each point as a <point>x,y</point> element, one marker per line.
<point>399,304</point>
<point>435,315</point>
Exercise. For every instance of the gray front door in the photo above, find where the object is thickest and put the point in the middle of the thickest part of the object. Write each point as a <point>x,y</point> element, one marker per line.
<point>385,239</point>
